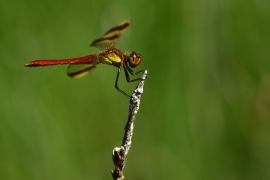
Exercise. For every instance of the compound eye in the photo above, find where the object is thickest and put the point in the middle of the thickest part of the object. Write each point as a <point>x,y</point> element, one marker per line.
<point>134,59</point>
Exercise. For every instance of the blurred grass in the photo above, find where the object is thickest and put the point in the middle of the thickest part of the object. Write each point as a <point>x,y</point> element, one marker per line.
<point>205,109</point>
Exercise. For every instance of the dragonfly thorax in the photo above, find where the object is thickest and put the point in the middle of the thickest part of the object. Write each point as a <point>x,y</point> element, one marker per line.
<point>134,59</point>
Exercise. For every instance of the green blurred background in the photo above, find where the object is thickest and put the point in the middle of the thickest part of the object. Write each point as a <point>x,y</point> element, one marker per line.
<point>204,114</point>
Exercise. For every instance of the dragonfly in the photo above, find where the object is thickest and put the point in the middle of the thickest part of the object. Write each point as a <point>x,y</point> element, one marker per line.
<point>79,67</point>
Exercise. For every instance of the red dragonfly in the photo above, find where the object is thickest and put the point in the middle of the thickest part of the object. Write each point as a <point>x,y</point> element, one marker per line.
<point>110,55</point>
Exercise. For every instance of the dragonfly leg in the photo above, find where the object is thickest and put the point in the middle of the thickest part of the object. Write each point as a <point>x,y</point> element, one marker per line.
<point>132,72</point>
<point>128,69</point>
<point>116,84</point>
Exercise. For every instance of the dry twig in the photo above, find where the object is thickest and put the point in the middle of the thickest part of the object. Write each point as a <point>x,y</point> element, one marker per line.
<point>119,154</point>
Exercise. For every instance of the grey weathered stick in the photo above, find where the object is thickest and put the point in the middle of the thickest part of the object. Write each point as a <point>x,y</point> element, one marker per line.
<point>119,154</point>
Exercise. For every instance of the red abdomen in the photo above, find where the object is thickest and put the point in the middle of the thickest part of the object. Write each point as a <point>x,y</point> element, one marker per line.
<point>81,60</point>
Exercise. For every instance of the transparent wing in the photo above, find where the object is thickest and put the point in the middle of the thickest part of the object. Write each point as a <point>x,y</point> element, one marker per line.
<point>109,39</point>
<point>79,70</point>
<point>82,66</point>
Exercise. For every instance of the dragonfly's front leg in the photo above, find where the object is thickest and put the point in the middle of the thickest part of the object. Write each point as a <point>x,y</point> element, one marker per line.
<point>128,69</point>
<point>116,84</point>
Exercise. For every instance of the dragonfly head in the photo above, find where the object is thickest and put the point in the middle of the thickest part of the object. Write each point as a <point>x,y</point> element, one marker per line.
<point>134,59</point>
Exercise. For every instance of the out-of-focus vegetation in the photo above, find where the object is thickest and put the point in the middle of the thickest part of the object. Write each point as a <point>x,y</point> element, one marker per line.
<point>205,111</point>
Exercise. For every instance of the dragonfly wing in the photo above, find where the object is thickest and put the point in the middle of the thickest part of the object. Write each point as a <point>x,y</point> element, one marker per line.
<point>79,70</point>
<point>109,39</point>
<point>79,67</point>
